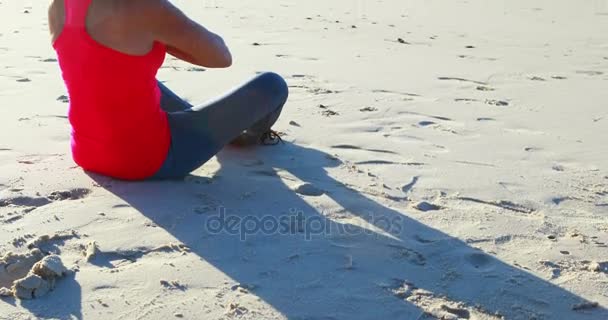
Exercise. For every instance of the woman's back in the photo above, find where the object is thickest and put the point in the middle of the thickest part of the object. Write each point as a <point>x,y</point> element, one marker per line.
<point>118,127</point>
<point>112,23</point>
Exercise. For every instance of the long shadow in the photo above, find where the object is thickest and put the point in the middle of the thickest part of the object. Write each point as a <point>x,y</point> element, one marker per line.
<point>337,256</point>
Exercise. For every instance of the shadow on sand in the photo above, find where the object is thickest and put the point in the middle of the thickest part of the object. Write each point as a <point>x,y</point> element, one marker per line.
<point>359,260</point>
<point>63,303</point>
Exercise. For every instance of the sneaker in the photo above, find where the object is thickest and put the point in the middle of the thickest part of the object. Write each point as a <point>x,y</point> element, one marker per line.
<point>268,138</point>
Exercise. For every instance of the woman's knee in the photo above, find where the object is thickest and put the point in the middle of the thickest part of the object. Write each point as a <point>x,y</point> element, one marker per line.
<point>275,84</point>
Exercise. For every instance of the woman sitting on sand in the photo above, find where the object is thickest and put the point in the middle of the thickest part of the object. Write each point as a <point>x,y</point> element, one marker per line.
<point>127,125</point>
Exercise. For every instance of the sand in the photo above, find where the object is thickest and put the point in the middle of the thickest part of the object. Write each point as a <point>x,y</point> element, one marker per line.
<point>442,160</point>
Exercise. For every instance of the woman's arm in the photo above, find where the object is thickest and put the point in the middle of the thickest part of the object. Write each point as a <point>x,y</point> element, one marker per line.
<point>185,39</point>
<point>56,17</point>
<point>180,55</point>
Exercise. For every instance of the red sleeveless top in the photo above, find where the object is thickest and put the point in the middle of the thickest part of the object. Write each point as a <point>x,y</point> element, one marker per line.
<point>118,127</point>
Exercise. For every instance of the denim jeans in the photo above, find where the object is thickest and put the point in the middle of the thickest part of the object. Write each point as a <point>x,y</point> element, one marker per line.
<point>200,132</point>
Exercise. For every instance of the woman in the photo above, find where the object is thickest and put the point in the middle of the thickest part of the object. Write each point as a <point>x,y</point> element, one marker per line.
<point>127,125</point>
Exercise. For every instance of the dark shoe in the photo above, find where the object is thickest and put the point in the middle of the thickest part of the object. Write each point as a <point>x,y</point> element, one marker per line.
<point>270,138</point>
<point>247,138</point>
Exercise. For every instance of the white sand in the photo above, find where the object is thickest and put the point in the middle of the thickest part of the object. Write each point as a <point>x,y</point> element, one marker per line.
<point>502,146</point>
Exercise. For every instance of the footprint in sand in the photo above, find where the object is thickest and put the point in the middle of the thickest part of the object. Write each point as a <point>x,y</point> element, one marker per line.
<point>423,240</point>
<point>308,189</point>
<point>436,306</point>
<point>503,204</point>
<point>400,252</point>
<point>426,206</point>
<point>466,100</point>
<point>557,269</point>
<point>407,94</point>
<point>264,173</point>
<point>252,163</point>
<point>435,126</point>
<point>328,112</point>
<point>121,206</point>
<point>536,78</point>
<point>388,162</point>
<point>38,158</point>
<point>63,99</point>
<point>27,204</point>
<point>72,194</point>
<point>49,242</point>
<point>484,88</point>
<point>590,72</point>
<point>425,115</point>
<point>319,91</point>
<point>117,258</point>
<point>22,240</point>
<point>408,187</point>
<point>426,123</point>
<point>498,103</point>
<point>461,80</point>
<point>24,201</point>
<point>173,285</point>
<point>351,147</point>
<point>314,90</point>
<point>368,109</point>
<point>480,261</point>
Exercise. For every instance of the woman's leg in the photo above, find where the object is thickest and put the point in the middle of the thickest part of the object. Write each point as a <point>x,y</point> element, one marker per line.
<point>197,134</point>
<point>170,102</point>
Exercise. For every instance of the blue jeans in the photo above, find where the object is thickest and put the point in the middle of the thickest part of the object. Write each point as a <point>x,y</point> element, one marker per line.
<point>198,133</point>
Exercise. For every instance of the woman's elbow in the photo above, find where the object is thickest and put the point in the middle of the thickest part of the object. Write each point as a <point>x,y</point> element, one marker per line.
<point>223,61</point>
<point>227,61</point>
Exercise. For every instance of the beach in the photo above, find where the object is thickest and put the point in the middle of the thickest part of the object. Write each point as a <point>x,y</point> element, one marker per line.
<point>441,160</point>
